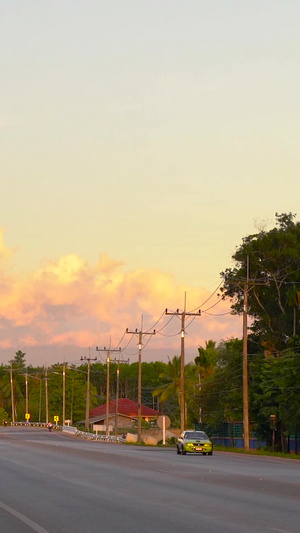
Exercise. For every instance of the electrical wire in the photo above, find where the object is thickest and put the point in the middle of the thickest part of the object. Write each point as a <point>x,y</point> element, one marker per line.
<point>170,320</point>
<point>205,301</point>
<point>156,322</point>
<point>217,314</point>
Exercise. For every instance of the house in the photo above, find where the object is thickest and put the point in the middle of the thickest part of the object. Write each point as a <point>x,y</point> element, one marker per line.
<point>125,417</point>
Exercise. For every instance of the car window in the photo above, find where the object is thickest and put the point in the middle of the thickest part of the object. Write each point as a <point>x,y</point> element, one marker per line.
<point>195,435</point>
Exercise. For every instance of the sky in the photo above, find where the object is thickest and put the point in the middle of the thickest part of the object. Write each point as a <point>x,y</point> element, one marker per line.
<point>140,141</point>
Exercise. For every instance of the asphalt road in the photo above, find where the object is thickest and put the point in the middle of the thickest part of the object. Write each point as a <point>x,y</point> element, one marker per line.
<point>53,483</point>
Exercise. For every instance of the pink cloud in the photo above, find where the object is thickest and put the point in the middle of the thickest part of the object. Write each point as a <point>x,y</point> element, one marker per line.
<point>72,302</point>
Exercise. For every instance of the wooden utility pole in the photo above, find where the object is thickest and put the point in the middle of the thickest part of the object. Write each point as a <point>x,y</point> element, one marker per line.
<point>46,395</point>
<point>118,361</point>
<point>247,285</point>
<point>108,361</point>
<point>245,363</point>
<point>40,402</point>
<point>87,404</point>
<point>26,392</point>
<point>64,395</point>
<point>12,394</point>
<point>183,315</point>
<point>140,334</point>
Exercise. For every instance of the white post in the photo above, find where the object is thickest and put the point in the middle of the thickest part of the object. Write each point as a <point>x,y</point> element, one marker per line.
<point>164,430</point>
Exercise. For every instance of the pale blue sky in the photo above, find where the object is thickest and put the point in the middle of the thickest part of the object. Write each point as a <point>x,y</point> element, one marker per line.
<point>154,131</point>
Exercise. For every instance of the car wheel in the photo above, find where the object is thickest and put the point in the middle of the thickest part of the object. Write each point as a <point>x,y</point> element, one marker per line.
<point>204,453</point>
<point>210,453</point>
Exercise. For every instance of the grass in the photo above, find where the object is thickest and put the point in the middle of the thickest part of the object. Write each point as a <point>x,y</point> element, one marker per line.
<point>264,452</point>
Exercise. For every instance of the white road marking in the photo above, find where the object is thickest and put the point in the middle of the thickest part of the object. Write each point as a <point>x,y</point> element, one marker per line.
<point>34,526</point>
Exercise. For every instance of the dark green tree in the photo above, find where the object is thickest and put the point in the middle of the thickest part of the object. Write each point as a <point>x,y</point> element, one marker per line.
<point>274,280</point>
<point>221,395</point>
<point>170,389</point>
<point>276,391</point>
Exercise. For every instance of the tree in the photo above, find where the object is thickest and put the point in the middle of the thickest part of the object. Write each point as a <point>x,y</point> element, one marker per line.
<point>19,360</point>
<point>18,370</point>
<point>206,359</point>
<point>3,415</point>
<point>171,388</point>
<point>273,282</point>
<point>276,391</point>
<point>171,375</point>
<point>221,394</point>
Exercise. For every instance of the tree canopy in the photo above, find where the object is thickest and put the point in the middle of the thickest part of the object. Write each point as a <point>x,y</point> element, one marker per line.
<point>269,261</point>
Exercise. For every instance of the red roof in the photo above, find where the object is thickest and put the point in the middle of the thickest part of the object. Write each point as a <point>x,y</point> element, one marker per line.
<point>125,407</point>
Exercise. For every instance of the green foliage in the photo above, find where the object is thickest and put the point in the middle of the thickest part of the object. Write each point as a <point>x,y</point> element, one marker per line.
<point>220,397</point>
<point>170,388</point>
<point>3,415</point>
<point>206,359</point>
<point>274,277</point>
<point>171,377</point>
<point>276,391</point>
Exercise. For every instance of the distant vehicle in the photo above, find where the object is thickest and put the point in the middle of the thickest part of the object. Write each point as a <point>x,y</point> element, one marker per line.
<point>50,426</point>
<point>194,442</point>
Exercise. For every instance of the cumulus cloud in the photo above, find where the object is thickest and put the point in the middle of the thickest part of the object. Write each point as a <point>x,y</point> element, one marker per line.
<point>71,302</point>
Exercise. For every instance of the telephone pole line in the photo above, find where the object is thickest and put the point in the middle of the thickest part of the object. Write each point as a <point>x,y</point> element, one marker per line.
<point>248,284</point>
<point>64,395</point>
<point>183,315</point>
<point>118,361</point>
<point>12,393</point>
<point>46,396</point>
<point>26,392</point>
<point>245,364</point>
<point>87,406</point>
<point>108,361</point>
<point>140,333</point>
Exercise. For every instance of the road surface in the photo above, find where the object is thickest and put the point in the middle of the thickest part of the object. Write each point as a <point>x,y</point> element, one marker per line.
<point>54,483</point>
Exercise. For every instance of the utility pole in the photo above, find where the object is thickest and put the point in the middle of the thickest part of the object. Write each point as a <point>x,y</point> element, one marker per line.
<point>72,400</point>
<point>40,402</point>
<point>26,391</point>
<point>117,389</point>
<point>140,334</point>
<point>183,315</point>
<point>248,284</point>
<point>245,363</point>
<point>46,395</point>
<point>108,352</point>
<point>117,398</point>
<point>87,405</point>
<point>12,393</point>
<point>64,395</point>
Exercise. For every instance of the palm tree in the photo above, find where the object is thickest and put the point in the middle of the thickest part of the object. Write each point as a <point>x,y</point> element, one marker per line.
<point>206,359</point>
<point>172,376</point>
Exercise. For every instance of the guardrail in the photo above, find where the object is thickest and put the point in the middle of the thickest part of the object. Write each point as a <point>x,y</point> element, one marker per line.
<point>74,431</point>
<point>35,424</point>
<point>103,438</point>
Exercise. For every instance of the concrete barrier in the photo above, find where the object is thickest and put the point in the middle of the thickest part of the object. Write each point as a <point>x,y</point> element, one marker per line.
<point>150,441</point>
<point>69,429</point>
<point>130,437</point>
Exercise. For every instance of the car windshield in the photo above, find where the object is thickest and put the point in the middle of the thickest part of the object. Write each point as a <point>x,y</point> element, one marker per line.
<point>195,435</point>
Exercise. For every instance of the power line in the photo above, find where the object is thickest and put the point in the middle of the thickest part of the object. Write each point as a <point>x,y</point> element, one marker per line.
<point>183,314</point>
<point>140,334</point>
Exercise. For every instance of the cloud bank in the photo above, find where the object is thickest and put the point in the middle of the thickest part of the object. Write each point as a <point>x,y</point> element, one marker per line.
<point>69,302</point>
